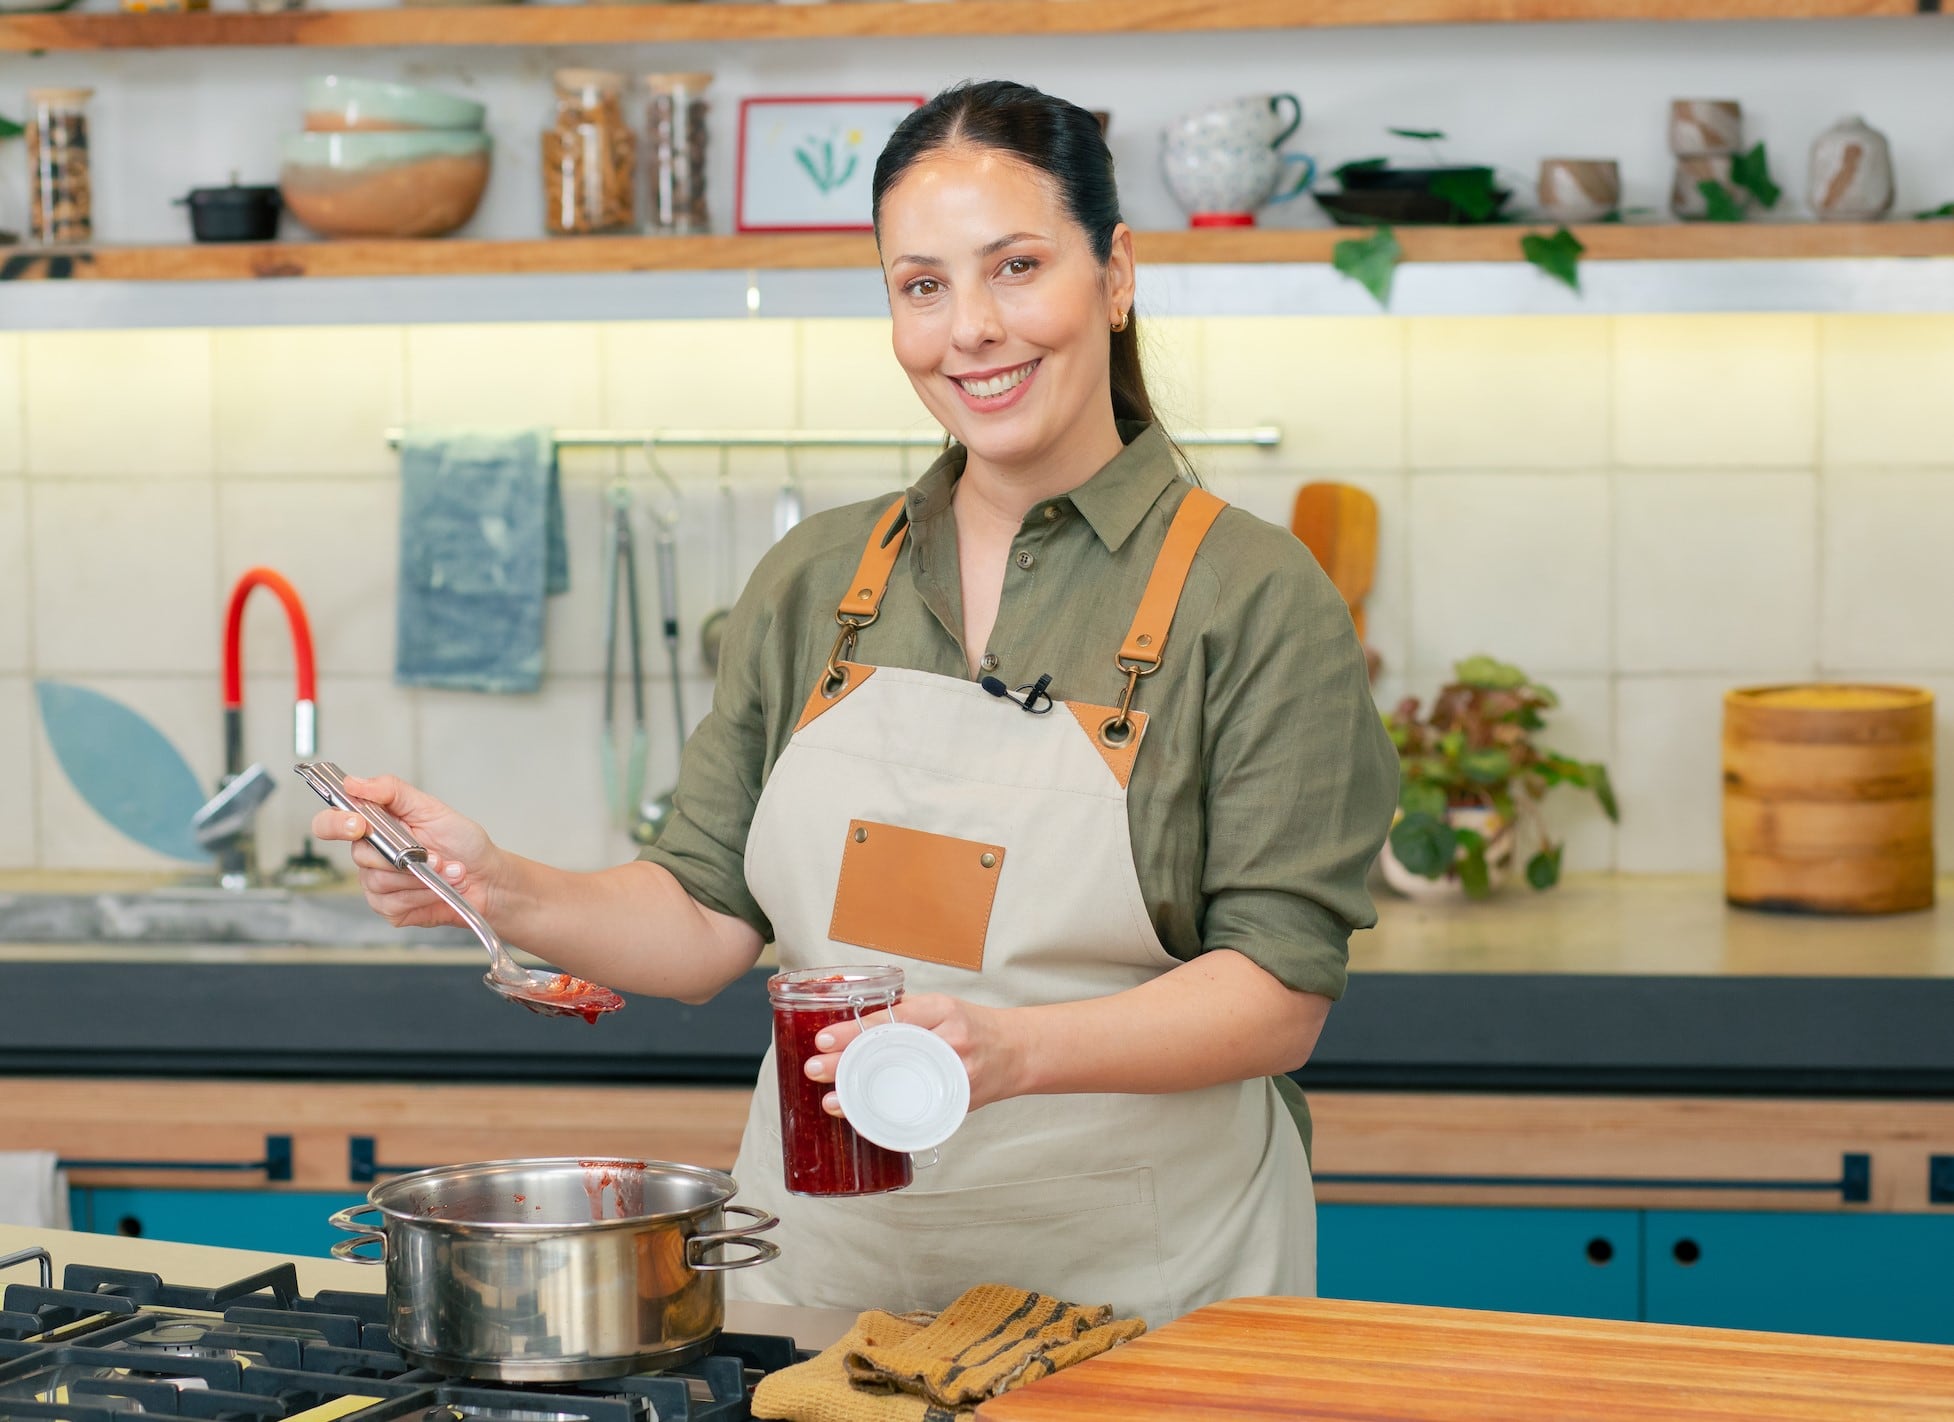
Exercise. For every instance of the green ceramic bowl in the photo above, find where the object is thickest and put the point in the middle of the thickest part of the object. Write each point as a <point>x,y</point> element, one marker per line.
<point>337,102</point>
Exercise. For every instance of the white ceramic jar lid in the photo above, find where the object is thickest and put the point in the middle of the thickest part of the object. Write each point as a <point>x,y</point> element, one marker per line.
<point>902,1087</point>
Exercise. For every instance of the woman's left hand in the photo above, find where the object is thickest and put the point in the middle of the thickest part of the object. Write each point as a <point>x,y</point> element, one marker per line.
<point>986,1038</point>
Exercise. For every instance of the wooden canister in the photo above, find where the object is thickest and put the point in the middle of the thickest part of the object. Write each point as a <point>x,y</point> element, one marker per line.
<point>1828,798</point>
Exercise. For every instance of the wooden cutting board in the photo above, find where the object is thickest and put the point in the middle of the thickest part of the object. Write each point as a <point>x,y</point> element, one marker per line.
<point>1366,1362</point>
<point>1338,524</point>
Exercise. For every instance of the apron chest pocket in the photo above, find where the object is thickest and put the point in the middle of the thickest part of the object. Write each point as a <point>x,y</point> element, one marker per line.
<point>915,894</point>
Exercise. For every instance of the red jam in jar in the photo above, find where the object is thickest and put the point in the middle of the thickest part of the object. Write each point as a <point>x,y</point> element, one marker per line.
<point>823,1154</point>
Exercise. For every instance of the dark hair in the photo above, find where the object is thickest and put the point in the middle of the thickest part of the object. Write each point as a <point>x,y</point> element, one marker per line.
<point>1052,136</point>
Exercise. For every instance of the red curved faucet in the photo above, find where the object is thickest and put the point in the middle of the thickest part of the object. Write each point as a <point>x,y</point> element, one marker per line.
<point>305,713</point>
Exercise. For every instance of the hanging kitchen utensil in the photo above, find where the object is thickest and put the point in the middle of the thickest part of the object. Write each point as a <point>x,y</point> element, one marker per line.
<point>654,815</point>
<point>1338,524</point>
<point>712,631</point>
<point>788,505</point>
<point>625,790</point>
<point>551,994</point>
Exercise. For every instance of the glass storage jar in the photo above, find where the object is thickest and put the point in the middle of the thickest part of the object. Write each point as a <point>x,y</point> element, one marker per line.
<point>675,133</point>
<point>823,1154</point>
<point>589,156</point>
<point>59,193</point>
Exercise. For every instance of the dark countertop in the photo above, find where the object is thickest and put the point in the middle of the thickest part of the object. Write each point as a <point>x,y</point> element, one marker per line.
<point>1605,984</point>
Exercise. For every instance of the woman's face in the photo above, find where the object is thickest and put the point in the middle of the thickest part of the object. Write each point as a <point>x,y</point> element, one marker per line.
<point>1002,314</point>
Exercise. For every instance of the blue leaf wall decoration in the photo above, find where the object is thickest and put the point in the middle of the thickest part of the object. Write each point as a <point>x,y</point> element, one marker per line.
<point>124,767</point>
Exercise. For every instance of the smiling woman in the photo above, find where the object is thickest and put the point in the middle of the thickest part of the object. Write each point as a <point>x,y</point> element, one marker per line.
<point>1122,899</point>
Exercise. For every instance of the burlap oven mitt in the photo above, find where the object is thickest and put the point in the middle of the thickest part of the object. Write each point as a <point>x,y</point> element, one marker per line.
<point>922,1367</point>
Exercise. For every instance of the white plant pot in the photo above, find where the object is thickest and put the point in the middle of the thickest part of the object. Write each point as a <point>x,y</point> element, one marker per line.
<point>1499,859</point>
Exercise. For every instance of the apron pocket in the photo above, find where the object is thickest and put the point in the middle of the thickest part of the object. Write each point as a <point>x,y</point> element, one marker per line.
<point>916,895</point>
<point>1086,1239</point>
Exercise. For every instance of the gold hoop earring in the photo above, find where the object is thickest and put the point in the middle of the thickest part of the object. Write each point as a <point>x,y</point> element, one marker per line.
<point>1120,323</point>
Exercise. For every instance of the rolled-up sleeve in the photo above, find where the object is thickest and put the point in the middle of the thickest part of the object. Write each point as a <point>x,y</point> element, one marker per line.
<point>1300,778</point>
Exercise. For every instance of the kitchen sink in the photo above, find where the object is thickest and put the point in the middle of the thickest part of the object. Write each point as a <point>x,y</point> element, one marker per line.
<point>200,913</point>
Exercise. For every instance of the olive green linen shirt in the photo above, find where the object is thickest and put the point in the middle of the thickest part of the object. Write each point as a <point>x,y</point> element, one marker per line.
<point>1265,783</point>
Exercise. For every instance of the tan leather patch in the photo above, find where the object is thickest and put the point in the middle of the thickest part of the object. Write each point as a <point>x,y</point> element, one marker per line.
<point>818,701</point>
<point>1119,759</point>
<point>916,894</point>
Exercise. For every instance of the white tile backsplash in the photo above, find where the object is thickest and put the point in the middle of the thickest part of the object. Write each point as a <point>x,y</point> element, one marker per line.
<point>14,602</point>
<point>347,582</point>
<point>12,402</point>
<point>125,576</point>
<point>308,401</point>
<point>1716,571</point>
<point>1514,565</point>
<point>1334,385</point>
<point>1888,576</point>
<point>1507,392</point>
<point>119,404</point>
<point>1641,512</point>
<point>18,820</point>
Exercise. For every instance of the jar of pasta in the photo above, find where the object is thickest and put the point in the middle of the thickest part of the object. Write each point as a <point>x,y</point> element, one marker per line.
<point>675,132</point>
<point>589,156</point>
<point>60,197</point>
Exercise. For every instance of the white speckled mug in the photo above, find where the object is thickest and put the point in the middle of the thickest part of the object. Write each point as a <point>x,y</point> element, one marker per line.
<point>1221,163</point>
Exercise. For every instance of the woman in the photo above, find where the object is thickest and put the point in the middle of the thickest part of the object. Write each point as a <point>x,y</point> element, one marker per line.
<point>1185,832</point>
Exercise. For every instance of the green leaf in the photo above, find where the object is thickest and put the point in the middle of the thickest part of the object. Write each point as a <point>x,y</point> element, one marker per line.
<point>1470,190</point>
<point>10,129</point>
<point>1503,804</point>
<point>1421,798</point>
<point>1424,845</point>
<point>1613,214</point>
<point>1720,205</point>
<point>1370,261</point>
<point>1491,766</point>
<point>1604,790</point>
<point>1423,135</point>
<point>1452,744</point>
<point>1752,172</point>
<point>1559,256</point>
<point>1432,768</point>
<point>1474,877</point>
<point>1360,165</point>
<point>1543,870</point>
<point>1488,674</point>
<point>1946,209</point>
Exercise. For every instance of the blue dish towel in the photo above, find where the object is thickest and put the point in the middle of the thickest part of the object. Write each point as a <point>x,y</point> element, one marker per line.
<point>481,546</point>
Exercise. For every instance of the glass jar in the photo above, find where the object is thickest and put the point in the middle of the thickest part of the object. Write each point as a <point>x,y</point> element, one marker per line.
<point>675,134</point>
<point>823,1154</point>
<point>590,156</point>
<point>60,200</point>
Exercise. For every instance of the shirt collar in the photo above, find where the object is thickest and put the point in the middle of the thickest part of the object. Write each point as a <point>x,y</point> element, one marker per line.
<point>1113,501</point>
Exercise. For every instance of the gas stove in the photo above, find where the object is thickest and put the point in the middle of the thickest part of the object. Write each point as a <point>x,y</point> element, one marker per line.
<point>112,1343</point>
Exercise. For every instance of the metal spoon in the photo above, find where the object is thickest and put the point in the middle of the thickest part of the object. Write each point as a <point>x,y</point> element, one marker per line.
<point>552,994</point>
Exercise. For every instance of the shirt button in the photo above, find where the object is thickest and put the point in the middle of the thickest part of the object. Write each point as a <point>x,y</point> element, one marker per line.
<point>989,663</point>
<point>1051,512</point>
<point>1025,560</point>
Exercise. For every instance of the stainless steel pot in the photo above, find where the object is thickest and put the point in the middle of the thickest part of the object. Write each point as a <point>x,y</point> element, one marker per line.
<point>554,1270</point>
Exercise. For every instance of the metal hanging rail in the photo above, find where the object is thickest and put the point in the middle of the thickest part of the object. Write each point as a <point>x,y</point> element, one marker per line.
<point>1257,436</point>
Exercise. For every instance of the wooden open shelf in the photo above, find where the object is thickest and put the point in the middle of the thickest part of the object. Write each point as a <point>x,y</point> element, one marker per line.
<point>1605,242</point>
<point>664,23</point>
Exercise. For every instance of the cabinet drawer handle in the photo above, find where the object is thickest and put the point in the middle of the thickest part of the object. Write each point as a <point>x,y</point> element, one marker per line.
<point>1854,1185</point>
<point>277,1164</point>
<point>1600,1250</point>
<point>1686,1251</point>
<point>363,1169</point>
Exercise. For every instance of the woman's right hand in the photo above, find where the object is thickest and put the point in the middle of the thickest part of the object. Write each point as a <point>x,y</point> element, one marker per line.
<point>458,849</point>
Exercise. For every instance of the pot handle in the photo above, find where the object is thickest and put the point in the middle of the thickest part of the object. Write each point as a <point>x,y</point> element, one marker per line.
<point>763,1249</point>
<point>367,1235</point>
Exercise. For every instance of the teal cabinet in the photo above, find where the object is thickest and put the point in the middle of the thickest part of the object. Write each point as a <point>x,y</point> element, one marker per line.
<point>1855,1276</point>
<point>238,1219</point>
<point>1584,1263</point>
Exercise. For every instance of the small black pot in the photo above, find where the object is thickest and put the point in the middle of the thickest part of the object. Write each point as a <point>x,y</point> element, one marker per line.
<point>1417,179</point>
<point>233,214</point>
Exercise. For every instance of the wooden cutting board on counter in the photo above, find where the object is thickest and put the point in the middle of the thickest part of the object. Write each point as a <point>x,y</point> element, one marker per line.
<point>1366,1362</point>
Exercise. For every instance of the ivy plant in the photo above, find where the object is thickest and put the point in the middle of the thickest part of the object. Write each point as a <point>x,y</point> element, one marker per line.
<point>1475,747</point>
<point>1370,261</point>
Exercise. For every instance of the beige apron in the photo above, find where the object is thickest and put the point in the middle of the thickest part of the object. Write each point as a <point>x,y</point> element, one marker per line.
<point>917,821</point>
